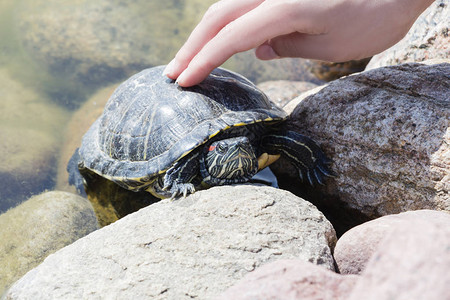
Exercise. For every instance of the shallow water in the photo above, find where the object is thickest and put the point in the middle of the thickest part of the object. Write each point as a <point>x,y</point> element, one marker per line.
<point>59,57</point>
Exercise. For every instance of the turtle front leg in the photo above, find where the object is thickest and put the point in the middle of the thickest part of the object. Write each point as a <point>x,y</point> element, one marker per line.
<point>302,151</point>
<point>178,179</point>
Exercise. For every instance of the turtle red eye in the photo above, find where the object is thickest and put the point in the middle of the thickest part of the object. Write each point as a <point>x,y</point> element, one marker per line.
<point>211,148</point>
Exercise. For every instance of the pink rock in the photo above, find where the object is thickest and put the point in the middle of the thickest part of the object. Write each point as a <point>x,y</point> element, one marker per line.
<point>354,248</point>
<point>291,279</point>
<point>412,262</point>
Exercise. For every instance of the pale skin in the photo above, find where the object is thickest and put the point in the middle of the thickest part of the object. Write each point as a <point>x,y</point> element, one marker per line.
<point>332,30</point>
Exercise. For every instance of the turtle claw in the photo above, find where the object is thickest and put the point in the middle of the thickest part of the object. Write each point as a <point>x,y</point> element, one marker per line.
<point>318,177</point>
<point>181,189</point>
<point>308,174</point>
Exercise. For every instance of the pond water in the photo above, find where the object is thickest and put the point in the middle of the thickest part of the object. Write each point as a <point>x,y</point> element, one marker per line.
<point>60,61</point>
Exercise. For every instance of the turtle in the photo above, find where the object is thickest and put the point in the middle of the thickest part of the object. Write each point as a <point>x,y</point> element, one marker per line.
<point>156,136</point>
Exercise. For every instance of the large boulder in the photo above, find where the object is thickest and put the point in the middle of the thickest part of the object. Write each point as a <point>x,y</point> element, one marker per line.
<point>410,262</point>
<point>188,248</point>
<point>355,248</point>
<point>387,133</point>
<point>38,227</point>
<point>291,279</point>
<point>427,39</point>
<point>30,134</point>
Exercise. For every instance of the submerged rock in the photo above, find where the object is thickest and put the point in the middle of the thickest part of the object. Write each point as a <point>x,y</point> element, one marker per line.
<point>188,248</point>
<point>38,227</point>
<point>30,133</point>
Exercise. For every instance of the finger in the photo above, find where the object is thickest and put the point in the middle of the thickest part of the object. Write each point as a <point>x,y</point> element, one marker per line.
<point>268,20</point>
<point>218,16</point>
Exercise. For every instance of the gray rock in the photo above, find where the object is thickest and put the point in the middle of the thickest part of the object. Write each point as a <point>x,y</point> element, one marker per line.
<point>355,248</point>
<point>291,279</point>
<point>38,227</point>
<point>427,39</point>
<point>412,263</point>
<point>387,132</point>
<point>192,247</point>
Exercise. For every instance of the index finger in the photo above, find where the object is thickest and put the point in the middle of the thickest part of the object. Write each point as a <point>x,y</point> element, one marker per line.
<point>266,21</point>
<point>218,16</point>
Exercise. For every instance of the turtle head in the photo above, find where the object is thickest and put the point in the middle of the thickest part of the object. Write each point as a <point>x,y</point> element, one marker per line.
<point>228,161</point>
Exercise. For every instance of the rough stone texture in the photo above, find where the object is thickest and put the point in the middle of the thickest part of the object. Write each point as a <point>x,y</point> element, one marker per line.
<point>30,133</point>
<point>388,134</point>
<point>355,248</point>
<point>38,227</point>
<point>429,38</point>
<point>281,92</point>
<point>291,279</point>
<point>412,263</point>
<point>192,247</point>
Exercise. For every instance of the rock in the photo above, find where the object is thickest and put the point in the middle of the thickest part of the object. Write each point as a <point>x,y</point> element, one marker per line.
<point>387,132</point>
<point>355,248</point>
<point>412,263</point>
<point>187,248</point>
<point>281,92</point>
<point>427,39</point>
<point>38,227</point>
<point>329,71</point>
<point>30,131</point>
<point>291,279</point>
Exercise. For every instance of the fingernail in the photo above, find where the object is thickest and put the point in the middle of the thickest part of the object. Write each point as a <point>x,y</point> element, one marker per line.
<point>169,68</point>
<point>180,78</point>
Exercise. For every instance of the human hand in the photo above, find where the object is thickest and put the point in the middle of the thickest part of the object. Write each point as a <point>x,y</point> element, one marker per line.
<point>338,30</point>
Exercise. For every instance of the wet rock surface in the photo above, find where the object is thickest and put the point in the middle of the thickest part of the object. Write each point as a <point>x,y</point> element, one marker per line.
<point>38,227</point>
<point>193,247</point>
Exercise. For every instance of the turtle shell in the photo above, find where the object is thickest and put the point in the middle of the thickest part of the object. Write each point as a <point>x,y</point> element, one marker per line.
<point>150,122</point>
